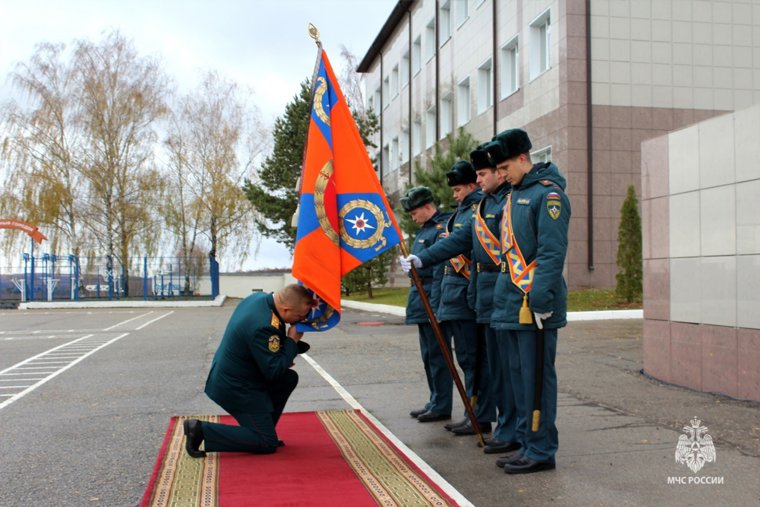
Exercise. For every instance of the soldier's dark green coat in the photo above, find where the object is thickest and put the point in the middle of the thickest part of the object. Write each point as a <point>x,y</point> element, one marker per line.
<point>455,301</point>
<point>426,235</point>
<point>254,353</point>
<point>540,236</point>
<point>462,241</point>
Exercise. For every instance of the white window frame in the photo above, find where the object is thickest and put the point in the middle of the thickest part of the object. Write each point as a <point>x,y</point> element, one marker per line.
<point>386,92</point>
<point>430,120</point>
<point>378,100</point>
<point>394,162</point>
<point>540,44</point>
<point>510,68</point>
<point>463,102</point>
<point>403,156</point>
<point>417,55</point>
<point>485,86</point>
<point>416,136</point>
<point>430,40</point>
<point>394,81</point>
<point>444,21</point>
<point>404,70</point>
<point>447,115</point>
<point>542,155</point>
<point>462,12</point>
<point>384,163</point>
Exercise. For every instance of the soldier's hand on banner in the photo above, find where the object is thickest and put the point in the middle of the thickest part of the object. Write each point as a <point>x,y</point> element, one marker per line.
<point>407,262</point>
<point>540,317</point>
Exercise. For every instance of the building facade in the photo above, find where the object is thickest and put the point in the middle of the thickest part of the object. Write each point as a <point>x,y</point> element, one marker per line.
<point>589,80</point>
<point>701,246</point>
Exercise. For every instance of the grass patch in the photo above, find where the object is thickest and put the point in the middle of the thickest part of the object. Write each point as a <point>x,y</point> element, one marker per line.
<point>579,300</point>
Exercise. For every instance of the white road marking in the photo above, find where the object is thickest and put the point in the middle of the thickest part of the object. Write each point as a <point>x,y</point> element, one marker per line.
<point>57,360</point>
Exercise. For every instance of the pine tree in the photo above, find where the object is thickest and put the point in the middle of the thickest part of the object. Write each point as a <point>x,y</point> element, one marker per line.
<point>629,258</point>
<point>274,195</point>
<point>460,146</point>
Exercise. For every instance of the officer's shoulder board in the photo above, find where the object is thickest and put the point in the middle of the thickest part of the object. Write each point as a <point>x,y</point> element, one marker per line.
<point>275,321</point>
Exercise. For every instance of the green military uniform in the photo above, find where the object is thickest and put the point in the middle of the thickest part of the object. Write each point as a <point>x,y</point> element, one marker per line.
<point>437,373</point>
<point>540,215</point>
<point>458,318</point>
<point>251,378</point>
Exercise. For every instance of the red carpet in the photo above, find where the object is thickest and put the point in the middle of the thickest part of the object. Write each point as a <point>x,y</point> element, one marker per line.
<point>330,458</point>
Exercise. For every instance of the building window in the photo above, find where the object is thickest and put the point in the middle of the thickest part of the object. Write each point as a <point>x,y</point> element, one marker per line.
<point>403,155</point>
<point>430,40</point>
<point>447,115</point>
<point>405,69</point>
<point>416,55</point>
<point>485,90</point>
<point>462,11</point>
<point>384,168</point>
<point>416,133</point>
<point>394,82</point>
<point>540,45</point>
<point>444,22</point>
<point>394,154</point>
<point>378,99</point>
<point>542,155</point>
<point>430,127</point>
<point>463,102</point>
<point>386,90</point>
<point>510,79</point>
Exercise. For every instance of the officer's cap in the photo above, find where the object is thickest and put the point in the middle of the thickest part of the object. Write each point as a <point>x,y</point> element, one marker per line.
<point>461,173</point>
<point>513,142</point>
<point>416,197</point>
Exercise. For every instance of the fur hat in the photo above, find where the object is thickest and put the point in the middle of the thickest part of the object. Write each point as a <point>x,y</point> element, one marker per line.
<point>416,197</point>
<point>461,173</point>
<point>513,142</point>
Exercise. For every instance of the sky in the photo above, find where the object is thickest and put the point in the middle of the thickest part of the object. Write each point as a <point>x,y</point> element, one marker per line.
<point>261,44</point>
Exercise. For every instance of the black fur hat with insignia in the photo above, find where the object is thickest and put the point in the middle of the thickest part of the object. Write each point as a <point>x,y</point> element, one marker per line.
<point>479,158</point>
<point>416,197</point>
<point>495,153</point>
<point>461,173</point>
<point>513,142</point>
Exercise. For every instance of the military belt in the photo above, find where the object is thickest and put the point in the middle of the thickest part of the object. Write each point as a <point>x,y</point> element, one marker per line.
<point>488,267</point>
<point>450,271</point>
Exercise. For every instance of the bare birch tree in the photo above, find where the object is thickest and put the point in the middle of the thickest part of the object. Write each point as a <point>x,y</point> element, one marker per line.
<point>122,96</point>
<point>41,149</point>
<point>214,138</point>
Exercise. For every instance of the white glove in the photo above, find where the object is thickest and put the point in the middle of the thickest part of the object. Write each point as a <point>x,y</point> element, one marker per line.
<point>541,316</point>
<point>407,262</point>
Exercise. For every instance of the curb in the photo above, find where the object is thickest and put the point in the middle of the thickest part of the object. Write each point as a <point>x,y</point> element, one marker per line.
<point>43,305</point>
<point>571,316</point>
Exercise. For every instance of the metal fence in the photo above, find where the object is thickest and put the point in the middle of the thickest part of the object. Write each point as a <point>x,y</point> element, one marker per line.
<point>50,277</point>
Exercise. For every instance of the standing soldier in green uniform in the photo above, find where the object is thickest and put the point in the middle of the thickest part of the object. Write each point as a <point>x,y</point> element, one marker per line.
<point>530,298</point>
<point>456,315</point>
<point>418,202</point>
<point>483,240</point>
<point>251,376</point>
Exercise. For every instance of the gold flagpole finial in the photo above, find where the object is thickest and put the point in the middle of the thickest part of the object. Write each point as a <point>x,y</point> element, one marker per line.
<point>314,33</point>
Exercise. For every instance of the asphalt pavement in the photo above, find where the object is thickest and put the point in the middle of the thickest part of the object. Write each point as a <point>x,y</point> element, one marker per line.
<point>90,434</point>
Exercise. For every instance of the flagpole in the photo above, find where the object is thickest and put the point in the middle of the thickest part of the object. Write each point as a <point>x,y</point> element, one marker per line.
<point>441,343</point>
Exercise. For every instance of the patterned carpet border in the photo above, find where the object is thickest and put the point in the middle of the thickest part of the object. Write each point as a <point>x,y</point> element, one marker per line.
<point>388,475</point>
<point>178,479</point>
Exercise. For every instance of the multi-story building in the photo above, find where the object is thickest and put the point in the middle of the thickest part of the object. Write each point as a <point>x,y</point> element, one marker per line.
<point>589,80</point>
